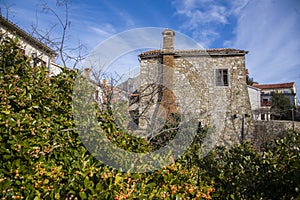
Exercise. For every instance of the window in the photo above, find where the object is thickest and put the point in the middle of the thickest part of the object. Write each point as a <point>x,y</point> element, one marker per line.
<point>222,77</point>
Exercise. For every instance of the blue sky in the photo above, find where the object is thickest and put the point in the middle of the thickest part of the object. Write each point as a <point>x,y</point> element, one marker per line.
<point>268,29</point>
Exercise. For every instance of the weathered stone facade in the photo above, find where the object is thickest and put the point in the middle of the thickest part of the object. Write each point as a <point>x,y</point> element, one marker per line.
<point>266,131</point>
<point>208,84</point>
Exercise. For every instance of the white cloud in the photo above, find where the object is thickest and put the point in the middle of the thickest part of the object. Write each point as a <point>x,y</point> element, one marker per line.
<point>104,30</point>
<point>270,31</point>
<point>204,16</point>
<point>237,6</point>
<point>201,12</point>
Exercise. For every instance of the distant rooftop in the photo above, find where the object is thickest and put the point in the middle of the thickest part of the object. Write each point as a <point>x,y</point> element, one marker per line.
<point>274,86</point>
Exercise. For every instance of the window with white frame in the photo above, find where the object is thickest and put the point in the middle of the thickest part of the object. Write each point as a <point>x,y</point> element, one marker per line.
<point>222,77</point>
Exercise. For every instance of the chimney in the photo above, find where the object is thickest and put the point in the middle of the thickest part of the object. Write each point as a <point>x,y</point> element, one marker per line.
<point>168,100</point>
<point>87,72</point>
<point>168,43</point>
<point>247,73</point>
<point>104,82</point>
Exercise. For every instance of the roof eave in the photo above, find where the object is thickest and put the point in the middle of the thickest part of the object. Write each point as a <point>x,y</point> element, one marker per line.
<point>21,33</point>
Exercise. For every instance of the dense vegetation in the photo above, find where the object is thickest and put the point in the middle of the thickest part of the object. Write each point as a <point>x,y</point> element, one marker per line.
<point>42,156</point>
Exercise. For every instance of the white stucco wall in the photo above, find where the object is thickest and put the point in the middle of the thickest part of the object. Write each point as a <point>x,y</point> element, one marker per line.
<point>254,95</point>
<point>255,101</point>
<point>31,49</point>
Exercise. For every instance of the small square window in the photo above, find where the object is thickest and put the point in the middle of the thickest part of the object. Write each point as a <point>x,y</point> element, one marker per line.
<point>222,77</point>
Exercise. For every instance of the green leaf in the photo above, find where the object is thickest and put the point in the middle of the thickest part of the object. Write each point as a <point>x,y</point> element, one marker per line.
<point>5,112</point>
<point>11,97</point>
<point>82,195</point>
<point>57,196</point>
<point>46,181</point>
<point>232,196</point>
<point>118,179</point>
<point>99,187</point>
<point>86,182</point>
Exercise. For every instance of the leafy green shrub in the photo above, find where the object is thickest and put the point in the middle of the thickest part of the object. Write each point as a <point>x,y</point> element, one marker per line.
<point>244,173</point>
<point>42,156</point>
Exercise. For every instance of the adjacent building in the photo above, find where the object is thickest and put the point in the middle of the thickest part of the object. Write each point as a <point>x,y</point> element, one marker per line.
<point>255,100</point>
<point>40,53</point>
<point>264,112</point>
<point>287,89</point>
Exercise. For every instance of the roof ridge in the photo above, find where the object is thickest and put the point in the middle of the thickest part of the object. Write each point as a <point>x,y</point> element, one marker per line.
<point>215,50</point>
<point>274,85</point>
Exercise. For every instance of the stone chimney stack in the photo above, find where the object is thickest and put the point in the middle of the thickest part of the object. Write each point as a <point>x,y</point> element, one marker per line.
<point>168,40</point>
<point>87,72</point>
<point>104,82</point>
<point>168,100</point>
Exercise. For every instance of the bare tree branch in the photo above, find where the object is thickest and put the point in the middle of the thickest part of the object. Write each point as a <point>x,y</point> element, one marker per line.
<point>67,55</point>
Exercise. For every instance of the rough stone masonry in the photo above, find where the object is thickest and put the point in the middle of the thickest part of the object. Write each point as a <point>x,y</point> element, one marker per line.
<point>209,84</point>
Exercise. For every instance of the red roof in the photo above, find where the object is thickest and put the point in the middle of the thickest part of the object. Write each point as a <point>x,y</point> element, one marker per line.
<point>274,86</point>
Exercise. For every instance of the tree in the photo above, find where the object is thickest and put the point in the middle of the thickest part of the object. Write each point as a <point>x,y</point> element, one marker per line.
<point>250,81</point>
<point>280,105</point>
<point>57,35</point>
<point>59,43</point>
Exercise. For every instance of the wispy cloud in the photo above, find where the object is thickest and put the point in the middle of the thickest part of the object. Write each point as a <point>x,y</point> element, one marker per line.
<point>201,12</point>
<point>124,18</point>
<point>270,31</point>
<point>105,30</point>
<point>204,17</point>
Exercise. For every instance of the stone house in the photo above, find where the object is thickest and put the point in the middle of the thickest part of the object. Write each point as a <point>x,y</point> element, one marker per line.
<point>40,53</point>
<point>207,84</point>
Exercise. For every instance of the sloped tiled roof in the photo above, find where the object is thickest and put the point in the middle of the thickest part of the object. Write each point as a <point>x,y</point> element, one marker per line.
<point>21,33</point>
<point>219,51</point>
<point>274,86</point>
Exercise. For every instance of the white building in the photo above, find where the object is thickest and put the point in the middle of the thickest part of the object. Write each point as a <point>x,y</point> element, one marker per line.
<point>263,111</point>
<point>287,89</point>
<point>40,53</point>
<point>255,101</point>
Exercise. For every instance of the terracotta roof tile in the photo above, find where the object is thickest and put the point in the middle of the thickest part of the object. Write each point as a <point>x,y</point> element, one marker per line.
<point>274,86</point>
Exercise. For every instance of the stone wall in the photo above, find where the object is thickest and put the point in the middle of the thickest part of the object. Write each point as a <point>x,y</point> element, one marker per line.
<point>265,131</point>
<point>186,82</point>
<point>226,108</point>
<point>192,79</point>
